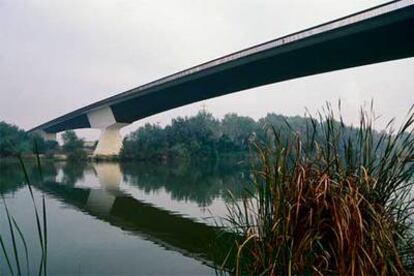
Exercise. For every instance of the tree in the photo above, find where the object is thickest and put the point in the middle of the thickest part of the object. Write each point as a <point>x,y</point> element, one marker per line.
<point>238,129</point>
<point>202,136</point>
<point>13,140</point>
<point>73,146</point>
<point>43,146</point>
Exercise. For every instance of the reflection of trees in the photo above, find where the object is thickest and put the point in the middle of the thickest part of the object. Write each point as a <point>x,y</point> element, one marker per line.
<point>172,231</point>
<point>201,183</point>
<point>48,170</point>
<point>73,172</point>
<point>12,176</point>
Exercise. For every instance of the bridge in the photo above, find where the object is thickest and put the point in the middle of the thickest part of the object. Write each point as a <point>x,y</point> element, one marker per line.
<point>378,34</point>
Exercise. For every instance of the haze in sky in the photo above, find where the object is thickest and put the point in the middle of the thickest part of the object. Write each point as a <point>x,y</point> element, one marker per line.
<point>57,56</point>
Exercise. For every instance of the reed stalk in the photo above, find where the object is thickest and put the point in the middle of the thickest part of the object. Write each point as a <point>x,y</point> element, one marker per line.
<point>17,235</point>
<point>331,200</point>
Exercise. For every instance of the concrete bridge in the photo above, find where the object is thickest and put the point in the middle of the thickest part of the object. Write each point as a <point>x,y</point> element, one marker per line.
<point>379,34</point>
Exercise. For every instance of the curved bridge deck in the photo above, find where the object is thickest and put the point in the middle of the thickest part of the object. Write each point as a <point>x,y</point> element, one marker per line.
<point>375,35</point>
<point>378,34</point>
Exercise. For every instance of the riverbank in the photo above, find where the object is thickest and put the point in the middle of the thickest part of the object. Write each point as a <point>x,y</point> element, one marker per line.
<point>61,157</point>
<point>225,157</point>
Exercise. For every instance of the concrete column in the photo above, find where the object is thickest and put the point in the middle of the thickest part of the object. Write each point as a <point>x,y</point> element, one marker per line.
<point>110,141</point>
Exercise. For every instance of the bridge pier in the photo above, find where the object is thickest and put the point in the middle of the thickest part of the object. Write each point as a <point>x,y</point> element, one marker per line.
<point>110,141</point>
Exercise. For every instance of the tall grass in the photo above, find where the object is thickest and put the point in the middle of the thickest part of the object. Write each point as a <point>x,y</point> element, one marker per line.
<point>331,200</point>
<point>16,233</point>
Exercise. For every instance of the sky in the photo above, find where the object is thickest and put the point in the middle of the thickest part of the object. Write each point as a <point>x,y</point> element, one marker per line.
<point>57,56</point>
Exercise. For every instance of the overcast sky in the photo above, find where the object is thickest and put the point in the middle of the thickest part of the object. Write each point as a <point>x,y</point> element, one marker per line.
<point>56,56</point>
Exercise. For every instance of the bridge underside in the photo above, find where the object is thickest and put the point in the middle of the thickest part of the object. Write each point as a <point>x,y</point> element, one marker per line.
<point>374,38</point>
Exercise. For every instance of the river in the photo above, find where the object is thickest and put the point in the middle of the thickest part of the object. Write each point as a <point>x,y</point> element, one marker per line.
<point>120,218</point>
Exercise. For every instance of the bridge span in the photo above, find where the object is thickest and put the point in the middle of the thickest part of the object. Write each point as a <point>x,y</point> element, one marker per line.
<point>378,34</point>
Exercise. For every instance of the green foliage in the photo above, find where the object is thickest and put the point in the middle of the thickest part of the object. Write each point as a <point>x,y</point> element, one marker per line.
<point>238,129</point>
<point>147,142</point>
<point>73,146</point>
<point>199,137</point>
<point>45,146</point>
<point>15,141</point>
<point>203,136</point>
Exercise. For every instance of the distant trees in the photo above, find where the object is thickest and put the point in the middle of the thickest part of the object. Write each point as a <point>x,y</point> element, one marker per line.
<point>203,136</point>
<point>185,137</point>
<point>73,146</point>
<point>238,129</point>
<point>44,146</point>
<point>197,137</point>
<point>193,136</point>
<point>14,141</point>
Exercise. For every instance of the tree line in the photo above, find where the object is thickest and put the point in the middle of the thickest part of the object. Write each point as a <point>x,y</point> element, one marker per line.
<point>197,137</point>
<point>203,136</point>
<point>15,141</point>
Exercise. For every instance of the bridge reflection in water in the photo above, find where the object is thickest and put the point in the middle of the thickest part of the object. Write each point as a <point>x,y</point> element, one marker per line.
<point>111,200</point>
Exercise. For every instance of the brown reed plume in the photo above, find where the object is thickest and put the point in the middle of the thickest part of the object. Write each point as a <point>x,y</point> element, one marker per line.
<point>332,200</point>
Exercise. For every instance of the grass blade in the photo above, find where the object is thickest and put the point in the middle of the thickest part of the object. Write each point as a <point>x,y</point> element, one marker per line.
<point>24,244</point>
<point>44,234</point>
<point>14,242</point>
<point>6,256</point>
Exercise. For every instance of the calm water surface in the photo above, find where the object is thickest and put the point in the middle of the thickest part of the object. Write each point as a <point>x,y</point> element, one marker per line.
<point>117,219</point>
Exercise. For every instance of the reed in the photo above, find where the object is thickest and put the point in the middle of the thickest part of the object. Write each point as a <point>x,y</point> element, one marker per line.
<point>331,200</point>
<point>17,235</point>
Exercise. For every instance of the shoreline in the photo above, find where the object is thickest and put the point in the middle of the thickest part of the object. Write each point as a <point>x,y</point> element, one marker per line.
<point>238,157</point>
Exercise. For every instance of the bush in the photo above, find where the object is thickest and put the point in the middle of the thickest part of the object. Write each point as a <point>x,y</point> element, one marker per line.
<point>73,146</point>
<point>13,141</point>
